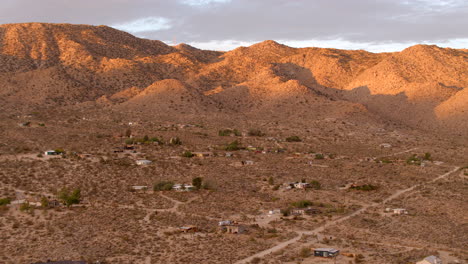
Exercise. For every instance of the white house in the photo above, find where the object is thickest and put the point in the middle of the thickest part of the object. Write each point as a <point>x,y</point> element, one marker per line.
<point>397,211</point>
<point>139,188</point>
<point>51,153</point>
<point>143,162</point>
<point>430,260</point>
<point>301,185</point>
<point>183,187</point>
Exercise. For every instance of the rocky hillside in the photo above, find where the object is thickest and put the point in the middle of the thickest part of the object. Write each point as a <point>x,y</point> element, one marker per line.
<point>61,64</point>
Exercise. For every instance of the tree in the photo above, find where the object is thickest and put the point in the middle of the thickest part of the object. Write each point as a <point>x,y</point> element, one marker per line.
<point>197,182</point>
<point>315,185</point>
<point>256,133</point>
<point>128,133</point>
<point>69,198</point>
<point>163,186</point>
<point>5,201</point>
<point>44,202</point>
<point>187,154</point>
<point>271,181</point>
<point>233,146</point>
<point>293,139</point>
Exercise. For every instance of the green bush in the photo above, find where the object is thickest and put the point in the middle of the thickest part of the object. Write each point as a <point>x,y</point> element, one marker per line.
<point>233,146</point>
<point>69,197</point>
<point>319,156</point>
<point>315,185</point>
<point>293,139</point>
<point>413,160</point>
<point>187,154</point>
<point>427,156</point>
<point>44,202</point>
<point>225,132</point>
<point>25,207</point>
<point>302,203</point>
<point>365,187</point>
<point>163,186</point>
<point>197,182</point>
<point>255,133</point>
<point>5,201</point>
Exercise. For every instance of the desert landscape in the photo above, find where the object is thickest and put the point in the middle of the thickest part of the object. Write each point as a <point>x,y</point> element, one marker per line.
<point>119,149</point>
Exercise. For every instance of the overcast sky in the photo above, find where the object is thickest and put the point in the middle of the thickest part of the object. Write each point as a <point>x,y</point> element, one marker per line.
<point>374,25</point>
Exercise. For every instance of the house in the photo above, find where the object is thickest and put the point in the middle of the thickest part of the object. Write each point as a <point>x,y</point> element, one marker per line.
<point>51,153</point>
<point>275,211</point>
<point>304,211</point>
<point>188,229</point>
<point>143,162</point>
<point>430,260</point>
<point>397,211</point>
<point>139,188</point>
<point>300,185</point>
<point>225,223</point>
<point>385,145</point>
<point>235,229</point>
<point>247,162</point>
<point>202,154</point>
<point>326,252</point>
<point>183,187</point>
<point>252,148</point>
<point>228,154</point>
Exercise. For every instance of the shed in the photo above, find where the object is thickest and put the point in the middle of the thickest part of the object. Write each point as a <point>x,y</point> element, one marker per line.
<point>139,188</point>
<point>51,153</point>
<point>188,229</point>
<point>202,154</point>
<point>301,185</point>
<point>326,252</point>
<point>143,162</point>
<point>248,162</point>
<point>183,187</point>
<point>235,229</point>
<point>430,260</point>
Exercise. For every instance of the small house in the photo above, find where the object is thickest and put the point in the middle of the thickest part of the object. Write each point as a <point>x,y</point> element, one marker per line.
<point>247,162</point>
<point>51,153</point>
<point>251,148</point>
<point>188,229</point>
<point>326,252</point>
<point>225,223</point>
<point>183,187</point>
<point>430,260</point>
<point>301,185</point>
<point>304,211</point>
<point>202,154</point>
<point>235,229</point>
<point>228,154</point>
<point>143,162</point>
<point>396,211</point>
<point>385,145</point>
<point>275,211</point>
<point>139,188</point>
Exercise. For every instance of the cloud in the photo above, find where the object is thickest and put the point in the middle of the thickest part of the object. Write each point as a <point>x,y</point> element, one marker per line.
<point>144,25</point>
<point>360,23</point>
<point>203,2</point>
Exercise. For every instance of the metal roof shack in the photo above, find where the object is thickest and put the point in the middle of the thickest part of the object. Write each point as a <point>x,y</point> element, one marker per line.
<point>326,252</point>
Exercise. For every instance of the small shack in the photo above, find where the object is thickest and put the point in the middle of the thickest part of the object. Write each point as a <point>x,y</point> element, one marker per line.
<point>183,187</point>
<point>143,162</point>
<point>188,229</point>
<point>202,154</point>
<point>140,188</point>
<point>305,211</point>
<point>430,260</point>
<point>235,229</point>
<point>248,162</point>
<point>51,153</point>
<point>326,252</point>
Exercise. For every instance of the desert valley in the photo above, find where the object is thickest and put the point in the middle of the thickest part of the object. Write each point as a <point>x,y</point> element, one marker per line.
<point>118,149</point>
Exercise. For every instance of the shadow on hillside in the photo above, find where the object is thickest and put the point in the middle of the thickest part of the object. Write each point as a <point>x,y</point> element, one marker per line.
<point>396,108</point>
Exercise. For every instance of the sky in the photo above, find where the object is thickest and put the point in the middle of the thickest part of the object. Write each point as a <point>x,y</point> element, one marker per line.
<point>373,25</point>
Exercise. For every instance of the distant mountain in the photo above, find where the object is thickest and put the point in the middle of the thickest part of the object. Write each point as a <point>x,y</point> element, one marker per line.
<point>62,64</point>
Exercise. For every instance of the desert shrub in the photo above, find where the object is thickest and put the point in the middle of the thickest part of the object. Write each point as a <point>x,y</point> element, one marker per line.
<point>233,146</point>
<point>129,141</point>
<point>315,185</point>
<point>271,181</point>
<point>44,202</point>
<point>175,141</point>
<point>225,132</point>
<point>163,186</point>
<point>60,151</point>
<point>302,203</point>
<point>319,156</point>
<point>256,133</point>
<point>25,207</point>
<point>427,156</point>
<point>413,160</point>
<point>187,154</point>
<point>41,124</point>
<point>69,197</point>
<point>276,187</point>
<point>365,187</point>
<point>285,211</point>
<point>305,252</point>
<point>293,139</point>
<point>128,132</point>
<point>5,201</point>
<point>197,182</point>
